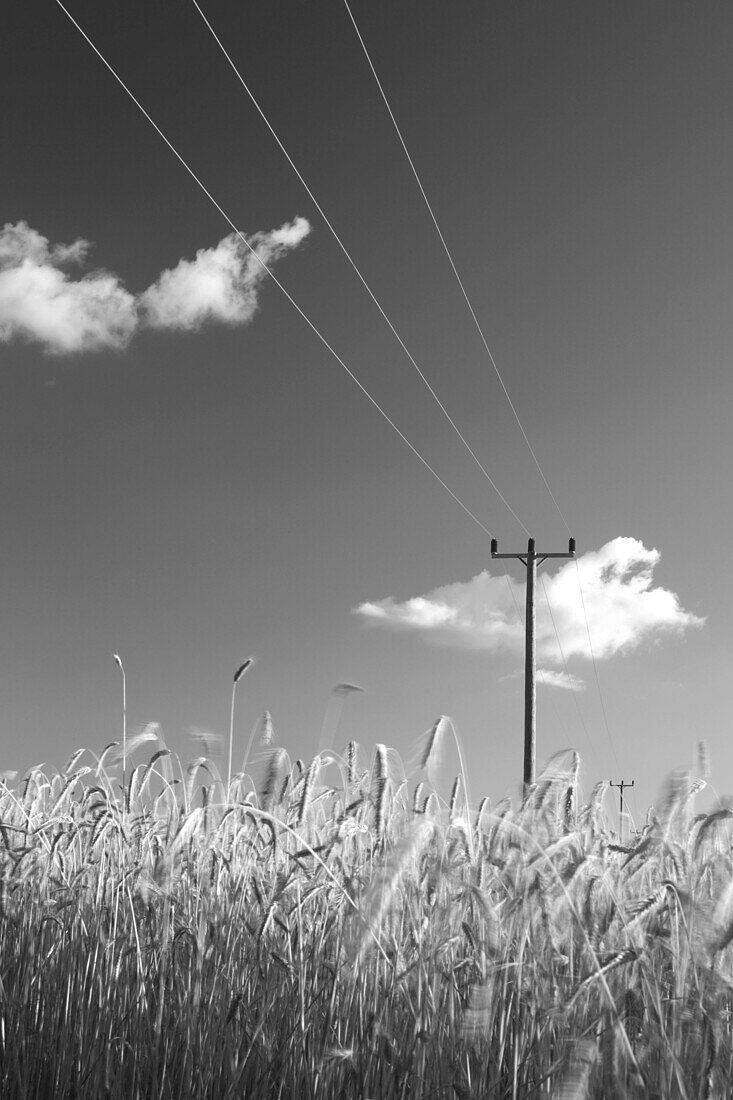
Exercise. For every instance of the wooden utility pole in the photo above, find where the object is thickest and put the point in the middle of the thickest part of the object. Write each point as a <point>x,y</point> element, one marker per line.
<point>621,787</point>
<point>531,560</point>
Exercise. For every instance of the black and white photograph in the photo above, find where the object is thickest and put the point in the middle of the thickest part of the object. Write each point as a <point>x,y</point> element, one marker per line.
<point>366,386</point>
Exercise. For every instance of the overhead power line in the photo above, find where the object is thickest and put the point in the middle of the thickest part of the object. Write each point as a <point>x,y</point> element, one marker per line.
<point>391,326</point>
<point>479,329</point>
<point>315,329</point>
<point>353,263</point>
<point>447,251</point>
<point>268,271</point>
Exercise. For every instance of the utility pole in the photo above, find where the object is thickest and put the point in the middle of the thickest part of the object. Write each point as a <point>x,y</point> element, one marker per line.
<point>621,788</point>
<point>530,561</point>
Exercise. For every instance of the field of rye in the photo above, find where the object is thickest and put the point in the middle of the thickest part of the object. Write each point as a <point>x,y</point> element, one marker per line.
<point>338,929</point>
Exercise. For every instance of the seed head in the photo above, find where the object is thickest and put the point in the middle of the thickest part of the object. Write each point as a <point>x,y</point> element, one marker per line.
<point>242,669</point>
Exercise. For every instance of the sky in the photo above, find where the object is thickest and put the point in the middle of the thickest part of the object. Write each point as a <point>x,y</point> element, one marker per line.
<point>191,476</point>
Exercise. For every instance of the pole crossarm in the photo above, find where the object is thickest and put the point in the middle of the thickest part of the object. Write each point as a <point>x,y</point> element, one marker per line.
<point>622,786</point>
<point>530,560</point>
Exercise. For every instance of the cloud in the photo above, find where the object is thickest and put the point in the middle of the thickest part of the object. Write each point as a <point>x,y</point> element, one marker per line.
<point>550,678</point>
<point>418,612</point>
<point>221,284</point>
<point>42,303</point>
<point>20,242</point>
<point>566,680</point>
<point>622,606</point>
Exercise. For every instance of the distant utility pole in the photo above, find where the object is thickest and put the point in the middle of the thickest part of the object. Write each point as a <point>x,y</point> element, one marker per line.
<point>621,788</point>
<point>531,560</point>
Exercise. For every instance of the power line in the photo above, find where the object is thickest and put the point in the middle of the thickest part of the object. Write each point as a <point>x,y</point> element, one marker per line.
<point>354,265</point>
<point>451,261</point>
<point>322,338</point>
<point>388,321</point>
<point>478,328</point>
<point>269,272</point>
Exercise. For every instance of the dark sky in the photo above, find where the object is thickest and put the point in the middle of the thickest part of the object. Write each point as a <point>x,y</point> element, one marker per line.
<point>195,497</point>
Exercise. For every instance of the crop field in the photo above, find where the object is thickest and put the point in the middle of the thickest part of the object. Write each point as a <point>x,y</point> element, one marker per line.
<point>337,929</point>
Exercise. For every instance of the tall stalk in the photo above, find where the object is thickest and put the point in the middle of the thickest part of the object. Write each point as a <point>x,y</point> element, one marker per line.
<point>237,677</point>
<point>118,659</point>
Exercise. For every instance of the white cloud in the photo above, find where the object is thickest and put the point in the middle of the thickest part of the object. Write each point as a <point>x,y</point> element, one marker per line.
<point>550,678</point>
<point>41,302</point>
<point>20,242</point>
<point>418,612</point>
<point>221,283</point>
<point>622,606</point>
<point>479,613</point>
<point>566,680</point>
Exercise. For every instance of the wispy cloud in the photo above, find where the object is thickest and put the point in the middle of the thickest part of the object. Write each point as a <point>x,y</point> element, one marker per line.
<point>68,313</point>
<point>221,284</point>
<point>566,680</point>
<point>622,605</point>
<point>551,678</point>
